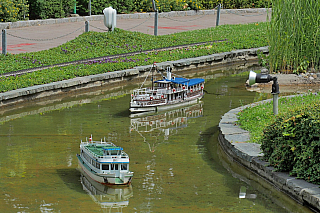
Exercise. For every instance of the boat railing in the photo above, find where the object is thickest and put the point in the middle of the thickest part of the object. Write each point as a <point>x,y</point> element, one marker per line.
<point>123,155</point>
<point>104,143</point>
<point>158,93</point>
<point>98,143</point>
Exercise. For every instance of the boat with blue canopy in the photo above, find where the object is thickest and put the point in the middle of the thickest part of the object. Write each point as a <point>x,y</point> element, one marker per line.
<point>169,92</point>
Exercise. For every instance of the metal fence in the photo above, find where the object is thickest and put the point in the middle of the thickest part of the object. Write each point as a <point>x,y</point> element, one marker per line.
<point>145,17</point>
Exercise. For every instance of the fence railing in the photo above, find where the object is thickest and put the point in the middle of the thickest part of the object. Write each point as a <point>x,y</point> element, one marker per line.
<point>218,10</point>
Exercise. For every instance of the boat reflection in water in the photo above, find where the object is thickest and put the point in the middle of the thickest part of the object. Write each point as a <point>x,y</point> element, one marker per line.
<point>152,127</point>
<point>110,198</point>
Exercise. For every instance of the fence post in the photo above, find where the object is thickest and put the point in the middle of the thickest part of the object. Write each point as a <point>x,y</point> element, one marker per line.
<point>155,17</point>
<point>156,23</point>
<point>75,7</point>
<point>4,42</point>
<point>89,7</point>
<point>86,26</point>
<point>218,15</point>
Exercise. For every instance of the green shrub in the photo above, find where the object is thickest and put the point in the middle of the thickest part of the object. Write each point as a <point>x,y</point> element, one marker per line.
<point>97,6</point>
<point>292,143</point>
<point>235,4</point>
<point>42,9</point>
<point>13,10</point>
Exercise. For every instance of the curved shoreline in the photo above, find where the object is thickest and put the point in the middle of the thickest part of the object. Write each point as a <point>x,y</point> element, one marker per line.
<point>233,141</point>
<point>232,138</point>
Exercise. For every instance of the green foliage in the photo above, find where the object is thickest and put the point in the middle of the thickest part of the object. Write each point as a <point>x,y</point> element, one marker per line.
<point>13,10</point>
<point>235,4</point>
<point>43,9</point>
<point>256,118</point>
<point>97,6</point>
<point>177,5</point>
<point>292,143</point>
<point>294,36</point>
<point>263,59</point>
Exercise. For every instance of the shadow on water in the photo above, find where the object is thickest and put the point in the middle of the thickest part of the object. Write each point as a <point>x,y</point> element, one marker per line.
<point>71,178</point>
<point>124,113</point>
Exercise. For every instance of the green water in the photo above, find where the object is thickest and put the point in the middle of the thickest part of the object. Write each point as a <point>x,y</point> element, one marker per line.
<point>178,166</point>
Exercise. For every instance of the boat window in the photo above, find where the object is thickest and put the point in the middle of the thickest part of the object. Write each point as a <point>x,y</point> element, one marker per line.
<point>105,166</point>
<point>124,166</point>
<point>97,165</point>
<point>114,152</point>
<point>116,167</point>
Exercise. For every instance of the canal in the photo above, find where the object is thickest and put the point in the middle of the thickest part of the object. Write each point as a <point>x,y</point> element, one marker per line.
<point>175,155</point>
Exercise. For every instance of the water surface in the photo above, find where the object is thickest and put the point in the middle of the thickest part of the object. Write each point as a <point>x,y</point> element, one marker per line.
<point>177,162</point>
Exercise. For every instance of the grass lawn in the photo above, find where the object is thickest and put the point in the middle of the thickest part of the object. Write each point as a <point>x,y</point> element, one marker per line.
<point>95,44</point>
<point>256,119</point>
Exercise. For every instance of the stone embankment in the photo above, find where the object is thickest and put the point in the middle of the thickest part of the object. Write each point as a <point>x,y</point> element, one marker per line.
<point>234,142</point>
<point>88,82</point>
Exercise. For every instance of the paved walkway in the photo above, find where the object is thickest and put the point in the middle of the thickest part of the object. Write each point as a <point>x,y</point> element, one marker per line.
<point>49,35</point>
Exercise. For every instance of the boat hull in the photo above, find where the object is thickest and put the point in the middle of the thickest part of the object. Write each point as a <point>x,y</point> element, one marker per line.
<point>164,107</point>
<point>109,179</point>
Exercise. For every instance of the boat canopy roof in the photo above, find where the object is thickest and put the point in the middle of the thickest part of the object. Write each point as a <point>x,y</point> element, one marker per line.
<point>112,148</point>
<point>183,81</point>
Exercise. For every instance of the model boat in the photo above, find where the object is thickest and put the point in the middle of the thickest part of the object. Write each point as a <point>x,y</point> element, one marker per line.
<point>104,162</point>
<point>166,93</point>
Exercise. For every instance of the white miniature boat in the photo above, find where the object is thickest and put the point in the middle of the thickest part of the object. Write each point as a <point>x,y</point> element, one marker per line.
<point>104,162</point>
<point>170,92</point>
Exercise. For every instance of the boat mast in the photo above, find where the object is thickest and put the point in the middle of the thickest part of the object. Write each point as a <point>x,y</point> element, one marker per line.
<point>153,68</point>
<point>169,73</point>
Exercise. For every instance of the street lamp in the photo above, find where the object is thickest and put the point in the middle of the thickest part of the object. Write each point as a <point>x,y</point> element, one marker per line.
<point>266,78</point>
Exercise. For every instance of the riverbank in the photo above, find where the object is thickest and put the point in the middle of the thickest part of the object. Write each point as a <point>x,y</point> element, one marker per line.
<point>21,96</point>
<point>234,142</point>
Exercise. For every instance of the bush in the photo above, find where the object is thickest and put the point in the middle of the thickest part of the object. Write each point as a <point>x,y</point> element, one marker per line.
<point>42,9</point>
<point>13,10</point>
<point>235,4</point>
<point>97,6</point>
<point>292,143</point>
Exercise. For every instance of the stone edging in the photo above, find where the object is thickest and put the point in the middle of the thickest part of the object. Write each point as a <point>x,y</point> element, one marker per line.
<point>29,23</point>
<point>60,87</point>
<point>233,140</point>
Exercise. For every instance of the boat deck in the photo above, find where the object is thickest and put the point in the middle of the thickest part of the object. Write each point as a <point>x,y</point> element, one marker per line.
<point>99,150</point>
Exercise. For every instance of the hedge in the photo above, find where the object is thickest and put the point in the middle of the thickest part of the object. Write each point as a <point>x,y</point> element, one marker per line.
<point>14,10</point>
<point>292,143</point>
<point>42,9</point>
